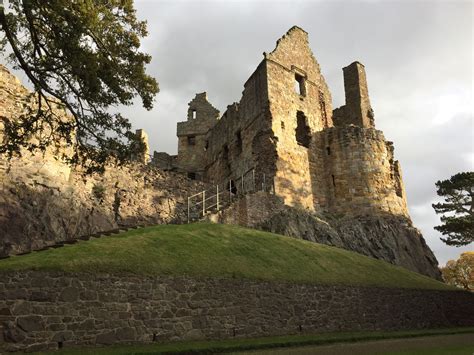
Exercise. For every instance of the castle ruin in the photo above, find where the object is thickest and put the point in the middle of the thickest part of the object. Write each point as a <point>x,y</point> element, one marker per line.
<point>285,129</point>
<point>332,176</point>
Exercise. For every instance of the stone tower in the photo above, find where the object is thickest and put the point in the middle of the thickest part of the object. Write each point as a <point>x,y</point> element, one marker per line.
<point>192,143</point>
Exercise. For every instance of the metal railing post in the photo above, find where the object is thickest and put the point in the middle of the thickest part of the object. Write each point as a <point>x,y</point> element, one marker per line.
<point>217,196</point>
<point>203,203</point>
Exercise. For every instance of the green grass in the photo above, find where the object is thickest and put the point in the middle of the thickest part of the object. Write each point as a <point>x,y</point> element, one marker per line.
<point>215,250</point>
<point>445,350</point>
<point>210,347</point>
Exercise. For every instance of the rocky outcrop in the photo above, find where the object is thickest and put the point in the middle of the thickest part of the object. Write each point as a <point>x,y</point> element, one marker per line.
<point>382,236</point>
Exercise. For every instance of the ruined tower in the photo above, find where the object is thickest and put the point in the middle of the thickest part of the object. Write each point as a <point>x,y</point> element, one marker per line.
<point>192,143</point>
<point>357,110</point>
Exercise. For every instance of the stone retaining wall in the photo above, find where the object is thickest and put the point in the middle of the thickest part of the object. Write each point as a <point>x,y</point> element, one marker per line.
<point>40,310</point>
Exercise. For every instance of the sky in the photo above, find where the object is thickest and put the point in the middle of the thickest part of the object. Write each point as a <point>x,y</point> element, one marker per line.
<point>418,57</point>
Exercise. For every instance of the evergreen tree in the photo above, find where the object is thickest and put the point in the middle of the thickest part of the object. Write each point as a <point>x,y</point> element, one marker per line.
<point>82,56</point>
<point>457,210</point>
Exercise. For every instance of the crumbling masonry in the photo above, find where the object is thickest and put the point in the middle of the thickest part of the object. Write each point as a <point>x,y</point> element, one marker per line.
<point>284,128</point>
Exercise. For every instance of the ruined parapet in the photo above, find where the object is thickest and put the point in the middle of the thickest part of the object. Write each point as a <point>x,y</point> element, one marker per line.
<point>164,161</point>
<point>359,175</point>
<point>15,102</point>
<point>192,146</point>
<point>357,110</point>
<point>144,157</point>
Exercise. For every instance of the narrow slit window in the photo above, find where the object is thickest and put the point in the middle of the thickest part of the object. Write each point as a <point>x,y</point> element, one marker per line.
<point>322,107</point>
<point>282,125</point>
<point>238,143</point>
<point>300,87</point>
<point>328,150</point>
<point>333,181</point>
<point>206,145</point>
<point>303,133</point>
<point>194,114</point>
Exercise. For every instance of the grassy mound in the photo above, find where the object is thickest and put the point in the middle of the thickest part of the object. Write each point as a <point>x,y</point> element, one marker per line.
<point>214,250</point>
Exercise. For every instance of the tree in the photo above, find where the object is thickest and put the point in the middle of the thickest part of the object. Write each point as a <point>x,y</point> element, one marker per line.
<point>82,56</point>
<point>457,210</point>
<point>460,272</point>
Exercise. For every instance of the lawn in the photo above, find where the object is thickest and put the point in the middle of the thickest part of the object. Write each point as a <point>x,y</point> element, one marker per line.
<point>214,250</point>
<point>290,341</point>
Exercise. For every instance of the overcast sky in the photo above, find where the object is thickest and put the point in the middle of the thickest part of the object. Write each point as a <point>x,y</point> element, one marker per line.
<point>418,57</point>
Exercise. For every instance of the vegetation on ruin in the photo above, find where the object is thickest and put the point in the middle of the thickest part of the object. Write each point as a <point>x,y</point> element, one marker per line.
<point>215,250</point>
<point>82,57</point>
<point>232,345</point>
<point>457,211</point>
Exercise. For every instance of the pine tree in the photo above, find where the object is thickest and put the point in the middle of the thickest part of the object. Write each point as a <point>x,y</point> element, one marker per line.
<point>457,210</point>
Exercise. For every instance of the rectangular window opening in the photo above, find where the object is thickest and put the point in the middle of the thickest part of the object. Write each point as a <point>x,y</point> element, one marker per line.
<point>194,114</point>
<point>191,140</point>
<point>192,176</point>
<point>328,150</point>
<point>282,125</point>
<point>303,133</point>
<point>300,87</point>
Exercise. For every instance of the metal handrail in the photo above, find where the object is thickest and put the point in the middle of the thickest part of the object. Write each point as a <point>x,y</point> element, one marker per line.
<point>219,194</point>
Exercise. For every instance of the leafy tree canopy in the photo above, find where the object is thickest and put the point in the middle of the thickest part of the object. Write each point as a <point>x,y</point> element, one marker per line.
<point>457,210</point>
<point>460,272</point>
<point>81,55</point>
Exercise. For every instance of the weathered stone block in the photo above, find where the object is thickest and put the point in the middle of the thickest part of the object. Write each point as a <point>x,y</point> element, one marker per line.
<point>30,323</point>
<point>69,294</point>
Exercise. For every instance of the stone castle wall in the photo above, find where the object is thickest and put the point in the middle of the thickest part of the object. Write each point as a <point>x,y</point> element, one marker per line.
<point>300,111</point>
<point>45,311</point>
